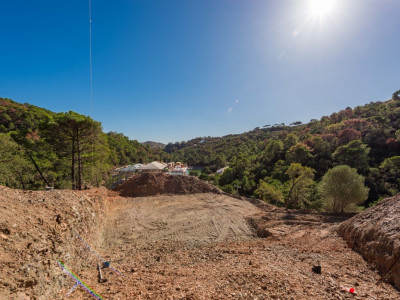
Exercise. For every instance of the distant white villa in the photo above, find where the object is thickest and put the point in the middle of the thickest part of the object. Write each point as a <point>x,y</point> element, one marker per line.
<point>129,169</point>
<point>177,168</point>
<point>173,168</point>
<point>220,171</point>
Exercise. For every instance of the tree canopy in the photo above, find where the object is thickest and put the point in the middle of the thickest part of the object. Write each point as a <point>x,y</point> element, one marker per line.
<point>362,137</point>
<point>342,188</point>
<point>64,150</point>
<point>365,137</point>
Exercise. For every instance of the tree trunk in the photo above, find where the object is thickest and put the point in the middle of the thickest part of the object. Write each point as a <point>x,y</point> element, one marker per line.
<point>73,164</point>
<point>289,194</point>
<point>79,168</point>
<point>36,166</point>
<point>21,180</point>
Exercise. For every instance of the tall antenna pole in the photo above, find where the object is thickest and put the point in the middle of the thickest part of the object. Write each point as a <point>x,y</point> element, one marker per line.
<point>91,80</point>
<point>90,57</point>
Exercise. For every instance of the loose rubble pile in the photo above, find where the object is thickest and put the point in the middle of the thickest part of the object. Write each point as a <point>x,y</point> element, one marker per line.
<point>375,233</point>
<point>150,184</point>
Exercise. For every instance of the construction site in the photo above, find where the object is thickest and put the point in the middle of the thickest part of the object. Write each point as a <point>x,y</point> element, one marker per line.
<point>158,236</point>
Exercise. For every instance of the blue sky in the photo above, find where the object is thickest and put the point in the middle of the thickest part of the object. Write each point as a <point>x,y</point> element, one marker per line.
<point>173,70</point>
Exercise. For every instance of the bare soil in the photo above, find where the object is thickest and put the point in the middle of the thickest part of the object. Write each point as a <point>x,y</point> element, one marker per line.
<point>36,229</point>
<point>202,246</point>
<point>375,233</point>
<point>191,220</point>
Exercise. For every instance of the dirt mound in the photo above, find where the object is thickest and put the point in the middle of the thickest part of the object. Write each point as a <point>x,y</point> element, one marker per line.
<point>375,233</point>
<point>36,229</point>
<point>150,184</point>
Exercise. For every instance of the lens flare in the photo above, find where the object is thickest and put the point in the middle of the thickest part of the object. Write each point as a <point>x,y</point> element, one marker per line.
<point>321,8</point>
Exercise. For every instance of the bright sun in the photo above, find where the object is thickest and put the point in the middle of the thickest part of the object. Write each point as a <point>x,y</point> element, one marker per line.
<point>321,8</point>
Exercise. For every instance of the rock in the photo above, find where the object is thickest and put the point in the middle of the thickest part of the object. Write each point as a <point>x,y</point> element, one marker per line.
<point>23,296</point>
<point>58,219</point>
<point>30,283</point>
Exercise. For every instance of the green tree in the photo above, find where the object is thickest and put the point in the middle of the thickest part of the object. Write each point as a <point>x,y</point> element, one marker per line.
<point>301,154</point>
<point>15,170</point>
<point>390,170</point>
<point>268,192</point>
<point>220,161</point>
<point>396,95</point>
<point>290,140</point>
<point>79,138</point>
<point>300,180</point>
<point>354,154</point>
<point>247,185</point>
<point>272,152</point>
<point>280,171</point>
<point>397,134</point>
<point>341,188</point>
<point>322,152</point>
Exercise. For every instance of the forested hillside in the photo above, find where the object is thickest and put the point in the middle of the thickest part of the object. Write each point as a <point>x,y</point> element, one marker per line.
<point>287,161</point>
<point>283,164</point>
<point>41,148</point>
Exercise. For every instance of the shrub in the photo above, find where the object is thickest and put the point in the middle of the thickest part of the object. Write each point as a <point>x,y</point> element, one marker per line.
<point>342,188</point>
<point>268,192</point>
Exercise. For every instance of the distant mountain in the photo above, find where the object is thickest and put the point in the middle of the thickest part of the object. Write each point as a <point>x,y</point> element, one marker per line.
<point>154,145</point>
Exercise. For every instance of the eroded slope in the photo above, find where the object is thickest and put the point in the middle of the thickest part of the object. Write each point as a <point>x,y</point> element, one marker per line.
<point>375,233</point>
<point>36,229</point>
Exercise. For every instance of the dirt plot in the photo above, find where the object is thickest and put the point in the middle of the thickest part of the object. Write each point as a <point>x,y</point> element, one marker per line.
<point>203,246</point>
<point>200,247</point>
<point>189,219</point>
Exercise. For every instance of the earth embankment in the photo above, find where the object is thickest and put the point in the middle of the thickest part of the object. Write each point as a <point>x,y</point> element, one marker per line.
<point>39,228</point>
<point>375,233</point>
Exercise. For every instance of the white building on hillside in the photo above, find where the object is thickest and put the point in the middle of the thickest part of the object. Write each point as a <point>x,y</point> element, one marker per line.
<point>220,171</point>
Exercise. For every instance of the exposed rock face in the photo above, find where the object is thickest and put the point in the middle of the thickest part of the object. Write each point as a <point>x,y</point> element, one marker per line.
<point>150,184</point>
<point>375,233</point>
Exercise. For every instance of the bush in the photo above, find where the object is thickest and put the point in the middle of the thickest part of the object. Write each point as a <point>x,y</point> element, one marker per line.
<point>342,188</point>
<point>268,192</point>
<point>297,189</point>
<point>230,189</point>
<point>195,173</point>
<point>204,177</point>
<point>206,171</point>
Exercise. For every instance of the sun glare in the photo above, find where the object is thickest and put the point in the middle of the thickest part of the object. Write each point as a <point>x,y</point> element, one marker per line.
<point>321,8</point>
